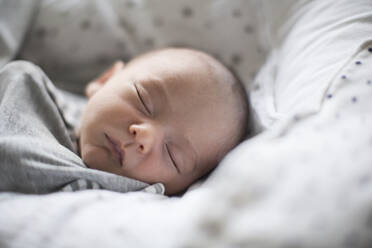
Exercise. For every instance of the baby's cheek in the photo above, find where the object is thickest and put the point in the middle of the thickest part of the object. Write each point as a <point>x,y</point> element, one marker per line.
<point>94,157</point>
<point>179,184</point>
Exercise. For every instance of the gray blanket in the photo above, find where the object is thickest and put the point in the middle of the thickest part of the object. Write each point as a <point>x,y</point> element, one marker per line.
<point>37,154</point>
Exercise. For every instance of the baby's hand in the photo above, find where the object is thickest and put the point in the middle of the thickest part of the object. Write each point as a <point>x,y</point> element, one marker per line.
<point>97,83</point>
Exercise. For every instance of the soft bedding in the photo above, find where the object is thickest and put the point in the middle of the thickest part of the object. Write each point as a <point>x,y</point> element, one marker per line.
<point>304,181</point>
<point>313,45</point>
<point>121,29</point>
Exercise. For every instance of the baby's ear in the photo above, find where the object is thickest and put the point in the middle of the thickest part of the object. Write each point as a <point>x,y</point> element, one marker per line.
<point>97,83</point>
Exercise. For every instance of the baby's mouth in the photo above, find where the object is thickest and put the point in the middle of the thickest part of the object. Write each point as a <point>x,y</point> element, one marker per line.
<point>115,148</point>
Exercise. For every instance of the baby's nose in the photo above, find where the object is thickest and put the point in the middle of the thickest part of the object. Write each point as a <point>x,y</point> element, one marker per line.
<point>144,136</point>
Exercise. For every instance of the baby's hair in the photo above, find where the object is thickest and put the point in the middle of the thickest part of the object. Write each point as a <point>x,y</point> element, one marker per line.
<point>239,91</point>
<point>243,99</point>
<point>245,119</point>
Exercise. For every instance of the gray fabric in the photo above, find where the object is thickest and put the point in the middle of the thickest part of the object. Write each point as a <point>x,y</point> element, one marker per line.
<point>15,19</point>
<point>36,152</point>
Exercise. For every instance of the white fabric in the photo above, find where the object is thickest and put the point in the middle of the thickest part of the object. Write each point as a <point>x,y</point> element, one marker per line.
<point>74,41</point>
<point>315,43</point>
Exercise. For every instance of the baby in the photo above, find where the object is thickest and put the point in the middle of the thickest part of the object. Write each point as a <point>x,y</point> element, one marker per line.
<point>167,116</point>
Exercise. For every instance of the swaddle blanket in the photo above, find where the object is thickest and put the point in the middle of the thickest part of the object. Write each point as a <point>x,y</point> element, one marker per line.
<point>36,152</point>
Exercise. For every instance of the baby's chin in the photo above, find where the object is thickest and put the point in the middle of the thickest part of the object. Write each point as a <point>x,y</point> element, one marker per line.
<point>98,158</point>
<point>94,157</point>
<point>91,155</point>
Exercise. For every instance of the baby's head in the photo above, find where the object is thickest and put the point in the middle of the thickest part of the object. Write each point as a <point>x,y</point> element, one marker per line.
<point>167,116</point>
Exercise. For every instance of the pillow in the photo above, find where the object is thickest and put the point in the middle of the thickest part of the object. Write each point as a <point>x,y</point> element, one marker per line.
<point>313,45</point>
<point>74,41</point>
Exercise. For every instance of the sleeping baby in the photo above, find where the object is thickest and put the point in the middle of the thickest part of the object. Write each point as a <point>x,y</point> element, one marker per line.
<point>166,116</point>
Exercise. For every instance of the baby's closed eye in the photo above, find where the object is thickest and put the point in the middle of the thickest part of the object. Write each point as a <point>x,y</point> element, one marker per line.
<point>145,99</point>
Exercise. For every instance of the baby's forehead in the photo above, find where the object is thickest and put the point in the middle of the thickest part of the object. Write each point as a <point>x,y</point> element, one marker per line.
<point>179,60</point>
<point>181,66</point>
<point>172,54</point>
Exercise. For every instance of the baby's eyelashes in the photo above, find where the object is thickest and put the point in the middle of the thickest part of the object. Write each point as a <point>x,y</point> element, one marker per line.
<point>172,159</point>
<point>145,99</point>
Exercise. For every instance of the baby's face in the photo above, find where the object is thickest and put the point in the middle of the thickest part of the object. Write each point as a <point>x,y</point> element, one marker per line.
<point>162,118</point>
